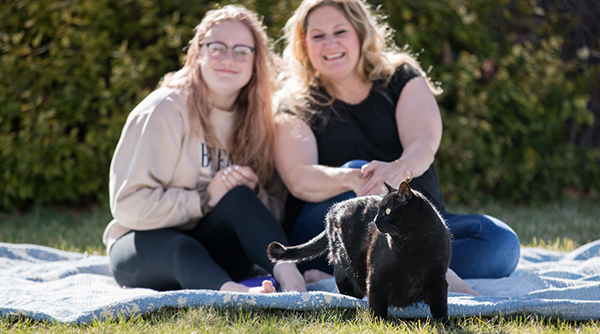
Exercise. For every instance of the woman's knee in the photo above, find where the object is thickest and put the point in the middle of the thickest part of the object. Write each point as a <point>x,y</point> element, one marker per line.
<point>239,193</point>
<point>238,210</point>
<point>354,164</point>
<point>485,246</point>
<point>146,258</point>
<point>123,258</point>
<point>240,200</point>
<point>504,233</point>
<point>508,247</point>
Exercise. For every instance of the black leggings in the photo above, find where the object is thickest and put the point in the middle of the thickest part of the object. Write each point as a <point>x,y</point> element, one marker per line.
<point>227,245</point>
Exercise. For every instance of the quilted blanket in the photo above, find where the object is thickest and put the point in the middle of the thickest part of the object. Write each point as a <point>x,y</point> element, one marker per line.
<point>48,284</point>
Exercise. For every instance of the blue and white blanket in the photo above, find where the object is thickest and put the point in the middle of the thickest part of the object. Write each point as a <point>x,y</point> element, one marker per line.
<point>48,284</point>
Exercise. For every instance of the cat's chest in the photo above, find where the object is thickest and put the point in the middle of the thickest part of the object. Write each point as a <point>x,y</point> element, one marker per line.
<point>392,252</point>
<point>380,243</point>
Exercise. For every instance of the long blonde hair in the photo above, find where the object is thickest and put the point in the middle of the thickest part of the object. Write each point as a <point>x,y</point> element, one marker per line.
<point>379,56</point>
<point>252,143</point>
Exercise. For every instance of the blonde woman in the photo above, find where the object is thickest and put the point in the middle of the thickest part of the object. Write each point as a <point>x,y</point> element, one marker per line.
<point>192,185</point>
<point>359,113</point>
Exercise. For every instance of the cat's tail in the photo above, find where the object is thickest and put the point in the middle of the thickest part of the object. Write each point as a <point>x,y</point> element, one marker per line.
<point>300,253</point>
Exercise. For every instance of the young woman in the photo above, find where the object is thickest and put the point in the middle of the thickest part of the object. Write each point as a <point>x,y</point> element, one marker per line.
<point>360,113</point>
<point>192,189</point>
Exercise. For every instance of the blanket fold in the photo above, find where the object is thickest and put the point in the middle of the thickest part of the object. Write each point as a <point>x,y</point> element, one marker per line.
<point>44,283</point>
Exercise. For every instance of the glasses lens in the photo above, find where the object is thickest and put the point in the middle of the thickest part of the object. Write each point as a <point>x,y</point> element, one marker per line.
<point>216,50</point>
<point>242,52</point>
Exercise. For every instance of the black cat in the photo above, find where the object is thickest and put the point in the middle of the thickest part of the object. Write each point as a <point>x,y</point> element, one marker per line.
<point>395,250</point>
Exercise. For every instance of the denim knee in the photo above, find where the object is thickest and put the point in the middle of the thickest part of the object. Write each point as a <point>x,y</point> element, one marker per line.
<point>508,248</point>
<point>482,246</point>
<point>354,164</point>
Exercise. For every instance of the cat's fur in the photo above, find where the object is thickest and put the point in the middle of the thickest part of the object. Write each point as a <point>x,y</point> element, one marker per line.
<point>395,250</point>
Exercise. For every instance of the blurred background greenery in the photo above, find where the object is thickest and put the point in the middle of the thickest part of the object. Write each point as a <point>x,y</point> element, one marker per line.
<point>521,101</point>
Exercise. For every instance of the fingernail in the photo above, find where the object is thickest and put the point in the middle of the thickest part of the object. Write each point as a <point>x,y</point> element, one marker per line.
<point>236,167</point>
<point>223,177</point>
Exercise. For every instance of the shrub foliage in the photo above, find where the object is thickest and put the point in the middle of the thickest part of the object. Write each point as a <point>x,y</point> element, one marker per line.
<point>510,98</point>
<point>71,72</point>
<point>73,69</point>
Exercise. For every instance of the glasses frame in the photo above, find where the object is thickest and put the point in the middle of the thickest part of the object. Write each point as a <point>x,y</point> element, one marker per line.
<point>232,50</point>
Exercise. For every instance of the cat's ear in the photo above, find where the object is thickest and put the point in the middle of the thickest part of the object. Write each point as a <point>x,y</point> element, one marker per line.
<point>389,188</point>
<point>404,191</point>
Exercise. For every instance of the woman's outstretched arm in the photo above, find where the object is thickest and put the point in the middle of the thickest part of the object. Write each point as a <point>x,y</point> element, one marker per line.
<point>296,160</point>
<point>420,130</point>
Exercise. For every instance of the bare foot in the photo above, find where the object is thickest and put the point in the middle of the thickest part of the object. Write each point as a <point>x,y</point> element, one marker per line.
<point>315,275</point>
<point>456,284</point>
<point>290,278</point>
<point>267,287</point>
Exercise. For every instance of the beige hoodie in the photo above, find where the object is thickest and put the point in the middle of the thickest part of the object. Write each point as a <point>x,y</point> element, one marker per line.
<point>159,164</point>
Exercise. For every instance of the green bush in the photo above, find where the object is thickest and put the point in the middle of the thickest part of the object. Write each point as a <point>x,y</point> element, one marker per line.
<point>73,70</point>
<point>507,137</point>
<point>509,98</point>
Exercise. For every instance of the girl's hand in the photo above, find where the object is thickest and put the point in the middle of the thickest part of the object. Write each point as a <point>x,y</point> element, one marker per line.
<point>393,173</point>
<point>236,175</point>
<point>217,188</point>
<point>229,178</point>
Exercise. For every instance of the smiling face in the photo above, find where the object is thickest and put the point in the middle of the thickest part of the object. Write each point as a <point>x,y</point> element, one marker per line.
<point>225,77</point>
<point>332,44</point>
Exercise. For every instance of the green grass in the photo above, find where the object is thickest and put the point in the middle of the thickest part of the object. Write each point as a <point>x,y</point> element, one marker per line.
<point>561,226</point>
<point>558,226</point>
<point>70,230</point>
<point>215,320</point>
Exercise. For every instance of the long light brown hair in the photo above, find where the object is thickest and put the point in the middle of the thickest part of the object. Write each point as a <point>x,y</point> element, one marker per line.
<point>379,56</point>
<point>252,143</point>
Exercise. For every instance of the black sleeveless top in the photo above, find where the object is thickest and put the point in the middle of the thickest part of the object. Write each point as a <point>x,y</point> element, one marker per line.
<point>366,131</point>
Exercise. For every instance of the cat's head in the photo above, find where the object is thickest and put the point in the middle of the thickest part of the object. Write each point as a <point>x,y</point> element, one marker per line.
<point>400,207</point>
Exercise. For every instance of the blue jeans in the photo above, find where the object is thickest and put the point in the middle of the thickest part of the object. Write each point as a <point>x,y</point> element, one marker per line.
<point>482,246</point>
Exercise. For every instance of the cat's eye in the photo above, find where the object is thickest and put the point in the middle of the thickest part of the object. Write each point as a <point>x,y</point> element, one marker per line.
<point>387,211</point>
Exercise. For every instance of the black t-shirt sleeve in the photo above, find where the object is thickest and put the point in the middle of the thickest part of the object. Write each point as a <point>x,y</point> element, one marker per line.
<point>403,74</point>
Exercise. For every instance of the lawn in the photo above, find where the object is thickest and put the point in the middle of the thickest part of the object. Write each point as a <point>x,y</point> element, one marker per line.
<point>558,226</point>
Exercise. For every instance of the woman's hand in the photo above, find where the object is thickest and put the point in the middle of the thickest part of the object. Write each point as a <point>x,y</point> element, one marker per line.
<point>420,130</point>
<point>393,173</point>
<point>229,178</point>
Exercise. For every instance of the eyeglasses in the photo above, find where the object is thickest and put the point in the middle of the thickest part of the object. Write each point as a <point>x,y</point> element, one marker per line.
<point>218,50</point>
